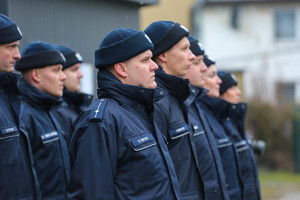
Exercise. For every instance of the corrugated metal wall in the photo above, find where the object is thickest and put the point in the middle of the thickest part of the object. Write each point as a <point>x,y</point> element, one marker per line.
<point>80,24</point>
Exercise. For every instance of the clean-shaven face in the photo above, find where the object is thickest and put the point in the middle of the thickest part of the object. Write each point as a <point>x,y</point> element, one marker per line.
<point>52,80</point>
<point>141,70</point>
<point>9,54</point>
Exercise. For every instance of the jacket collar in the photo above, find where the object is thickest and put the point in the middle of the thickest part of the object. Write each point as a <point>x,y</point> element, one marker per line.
<point>8,81</point>
<point>175,85</point>
<point>223,108</point>
<point>76,98</point>
<point>126,95</point>
<point>35,96</point>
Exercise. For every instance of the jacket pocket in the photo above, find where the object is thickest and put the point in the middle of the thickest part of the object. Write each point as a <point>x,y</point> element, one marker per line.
<point>145,156</point>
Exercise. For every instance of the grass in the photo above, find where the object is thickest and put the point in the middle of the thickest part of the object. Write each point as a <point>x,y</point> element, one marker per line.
<point>275,185</point>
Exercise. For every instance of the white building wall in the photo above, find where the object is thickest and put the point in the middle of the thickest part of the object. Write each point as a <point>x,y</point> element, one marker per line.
<point>252,48</point>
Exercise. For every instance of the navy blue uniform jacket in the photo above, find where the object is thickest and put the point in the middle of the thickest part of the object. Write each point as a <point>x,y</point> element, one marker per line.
<point>49,148</point>
<point>117,152</point>
<point>171,117</point>
<point>233,116</point>
<point>17,173</point>
<point>66,113</point>
<point>225,146</point>
<point>209,160</point>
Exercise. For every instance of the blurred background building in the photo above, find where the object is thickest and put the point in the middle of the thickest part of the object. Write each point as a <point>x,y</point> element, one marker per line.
<point>79,24</point>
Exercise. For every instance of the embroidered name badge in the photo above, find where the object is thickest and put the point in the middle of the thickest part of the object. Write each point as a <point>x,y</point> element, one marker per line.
<point>142,142</point>
<point>9,132</point>
<point>198,130</point>
<point>241,146</point>
<point>224,142</point>
<point>179,131</point>
<point>49,137</point>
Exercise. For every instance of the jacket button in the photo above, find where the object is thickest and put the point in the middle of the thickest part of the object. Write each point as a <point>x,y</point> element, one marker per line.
<point>193,91</point>
<point>234,107</point>
<point>161,93</point>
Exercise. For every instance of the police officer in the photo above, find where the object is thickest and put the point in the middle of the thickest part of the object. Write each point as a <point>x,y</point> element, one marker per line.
<point>42,87</point>
<point>117,151</point>
<point>17,174</point>
<point>74,101</point>
<point>211,106</point>
<point>172,54</point>
<point>232,117</point>
<point>209,161</point>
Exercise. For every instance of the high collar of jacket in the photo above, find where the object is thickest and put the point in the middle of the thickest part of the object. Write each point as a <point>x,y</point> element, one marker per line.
<point>127,95</point>
<point>223,108</point>
<point>76,98</point>
<point>35,96</point>
<point>213,103</point>
<point>176,86</point>
<point>8,81</point>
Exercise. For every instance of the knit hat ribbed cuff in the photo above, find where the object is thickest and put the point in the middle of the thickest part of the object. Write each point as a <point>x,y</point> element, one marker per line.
<point>208,61</point>
<point>72,58</point>
<point>174,35</point>
<point>10,34</point>
<point>228,80</point>
<point>123,50</point>
<point>40,60</point>
<point>196,48</point>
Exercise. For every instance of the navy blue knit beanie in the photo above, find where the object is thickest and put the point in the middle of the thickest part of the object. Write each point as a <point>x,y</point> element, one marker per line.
<point>228,80</point>
<point>165,34</point>
<point>9,31</point>
<point>71,56</point>
<point>196,46</point>
<point>208,61</point>
<point>120,45</point>
<point>38,55</point>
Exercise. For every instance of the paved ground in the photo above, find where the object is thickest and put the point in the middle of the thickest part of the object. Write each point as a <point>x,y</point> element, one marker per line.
<point>280,191</point>
<point>291,196</point>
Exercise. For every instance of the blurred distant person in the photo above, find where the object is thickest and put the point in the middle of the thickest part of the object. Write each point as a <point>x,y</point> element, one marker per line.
<point>230,92</point>
<point>232,116</point>
<point>74,101</point>
<point>41,87</point>
<point>209,161</point>
<point>17,174</point>
<point>212,107</point>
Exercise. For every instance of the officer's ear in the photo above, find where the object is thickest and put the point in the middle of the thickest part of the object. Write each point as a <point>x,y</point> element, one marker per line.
<point>162,57</point>
<point>121,69</point>
<point>35,75</point>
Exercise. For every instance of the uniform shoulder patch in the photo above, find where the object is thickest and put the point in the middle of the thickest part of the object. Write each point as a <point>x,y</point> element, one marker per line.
<point>98,110</point>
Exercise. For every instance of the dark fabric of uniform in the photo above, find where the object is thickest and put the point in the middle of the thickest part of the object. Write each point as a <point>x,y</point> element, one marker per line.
<point>210,107</point>
<point>49,148</point>
<point>116,150</point>
<point>17,173</point>
<point>171,117</point>
<point>66,113</point>
<point>232,117</point>
<point>209,160</point>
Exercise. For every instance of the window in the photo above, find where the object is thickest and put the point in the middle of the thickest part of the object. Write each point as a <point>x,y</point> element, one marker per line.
<point>285,23</point>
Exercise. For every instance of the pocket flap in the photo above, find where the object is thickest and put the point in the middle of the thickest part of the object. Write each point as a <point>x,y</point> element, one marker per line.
<point>142,142</point>
<point>179,131</point>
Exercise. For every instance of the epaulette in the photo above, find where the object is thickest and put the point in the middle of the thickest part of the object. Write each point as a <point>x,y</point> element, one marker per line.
<point>98,110</point>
